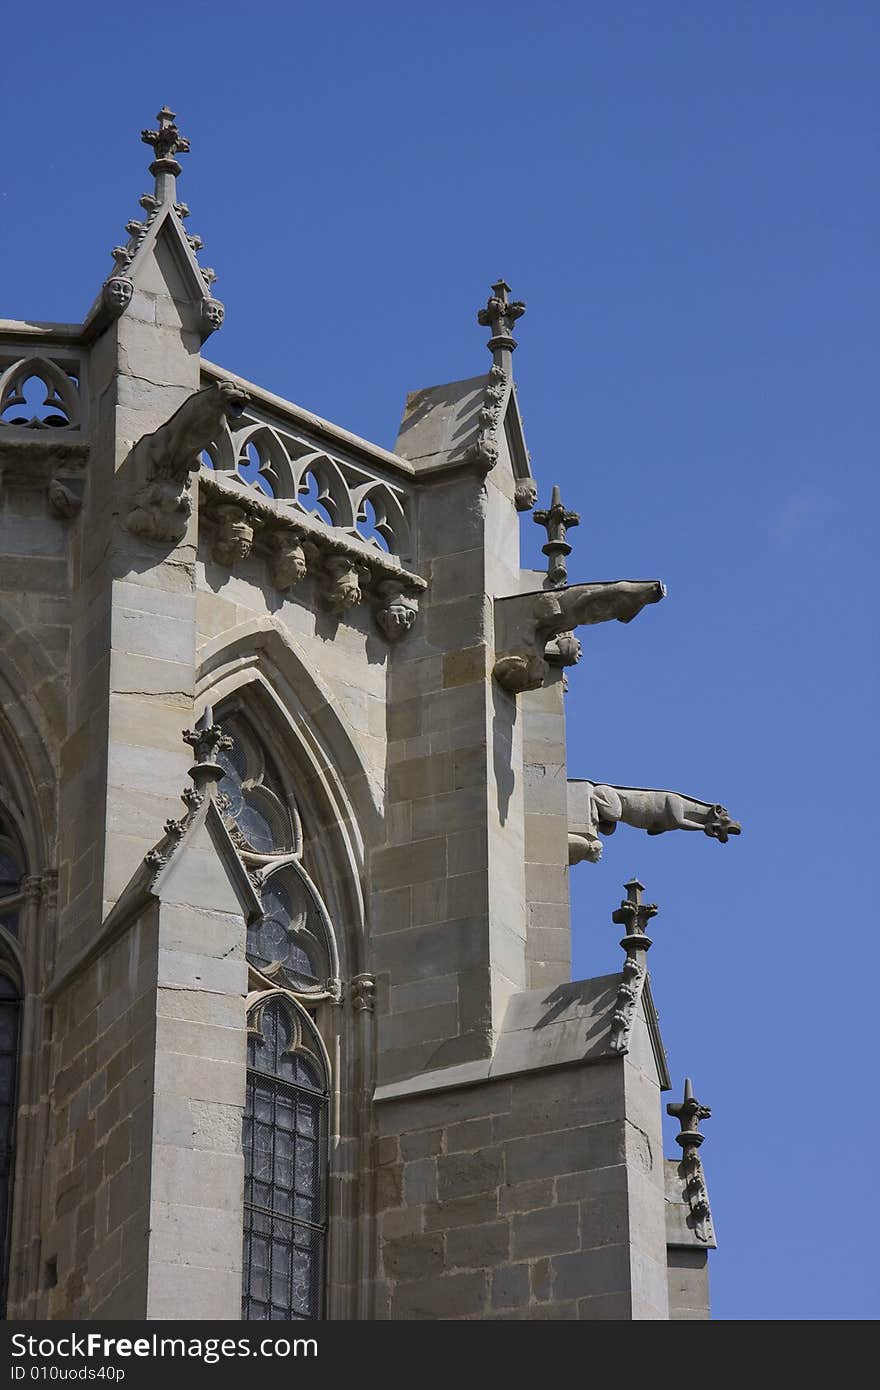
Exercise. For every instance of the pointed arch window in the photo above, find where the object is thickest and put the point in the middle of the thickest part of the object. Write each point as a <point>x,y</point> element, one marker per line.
<point>293,968</point>
<point>285,1155</point>
<point>292,944</point>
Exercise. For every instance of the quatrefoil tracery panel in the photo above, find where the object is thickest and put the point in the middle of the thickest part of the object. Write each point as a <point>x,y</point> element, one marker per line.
<point>38,394</point>
<point>311,481</point>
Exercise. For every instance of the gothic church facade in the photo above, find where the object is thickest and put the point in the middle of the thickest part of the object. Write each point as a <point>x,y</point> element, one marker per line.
<point>287,1029</point>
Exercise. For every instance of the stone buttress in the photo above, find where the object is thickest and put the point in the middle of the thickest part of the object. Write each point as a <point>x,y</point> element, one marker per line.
<point>184,553</point>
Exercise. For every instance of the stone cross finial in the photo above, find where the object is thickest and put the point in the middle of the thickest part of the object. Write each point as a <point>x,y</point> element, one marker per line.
<point>632,914</point>
<point>167,142</point>
<point>556,520</point>
<point>689,1112</point>
<point>206,740</point>
<point>500,314</point>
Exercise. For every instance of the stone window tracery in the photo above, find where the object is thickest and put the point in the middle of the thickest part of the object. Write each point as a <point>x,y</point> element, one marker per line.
<point>293,968</point>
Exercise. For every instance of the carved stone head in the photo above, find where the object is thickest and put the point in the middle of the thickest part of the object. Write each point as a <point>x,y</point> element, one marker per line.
<point>344,590</point>
<point>213,314</point>
<point>398,617</point>
<point>719,825</point>
<point>234,538</point>
<point>525,495</point>
<point>117,293</point>
<point>287,559</point>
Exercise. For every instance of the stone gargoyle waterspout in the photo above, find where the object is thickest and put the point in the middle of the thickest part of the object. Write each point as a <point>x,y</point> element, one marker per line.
<point>595,808</point>
<point>171,454</point>
<point>536,630</point>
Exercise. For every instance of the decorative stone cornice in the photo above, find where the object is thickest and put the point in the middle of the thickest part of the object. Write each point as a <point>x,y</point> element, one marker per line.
<point>634,915</point>
<point>689,1112</point>
<point>296,547</point>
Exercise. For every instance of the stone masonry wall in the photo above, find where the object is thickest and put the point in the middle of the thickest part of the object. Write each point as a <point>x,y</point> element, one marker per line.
<point>97,1187</point>
<point>512,1199</point>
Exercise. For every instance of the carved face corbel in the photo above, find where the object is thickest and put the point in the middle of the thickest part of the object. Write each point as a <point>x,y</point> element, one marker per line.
<point>116,294</point>
<point>287,558</point>
<point>234,537</point>
<point>398,610</point>
<point>213,314</point>
<point>343,589</point>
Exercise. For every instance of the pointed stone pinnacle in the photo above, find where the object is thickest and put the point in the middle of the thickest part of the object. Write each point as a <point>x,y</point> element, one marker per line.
<point>556,520</point>
<point>689,1112</point>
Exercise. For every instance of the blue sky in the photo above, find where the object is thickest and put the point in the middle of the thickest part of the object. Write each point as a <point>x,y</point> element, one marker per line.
<point>685,196</point>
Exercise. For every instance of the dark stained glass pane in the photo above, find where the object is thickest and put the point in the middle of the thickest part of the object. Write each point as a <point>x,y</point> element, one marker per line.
<point>8,1075</point>
<point>284,1137</point>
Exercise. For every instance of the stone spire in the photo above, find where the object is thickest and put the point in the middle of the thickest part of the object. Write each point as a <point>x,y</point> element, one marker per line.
<point>167,142</point>
<point>634,915</point>
<point>500,314</point>
<point>163,213</point>
<point>689,1112</point>
<point>556,520</point>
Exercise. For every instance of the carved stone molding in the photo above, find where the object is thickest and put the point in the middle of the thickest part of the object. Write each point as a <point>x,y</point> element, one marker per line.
<point>362,992</point>
<point>486,448</point>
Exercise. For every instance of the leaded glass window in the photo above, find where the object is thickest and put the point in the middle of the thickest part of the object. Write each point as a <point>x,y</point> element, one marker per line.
<point>285,1157</point>
<point>10,881</point>
<point>252,798</point>
<point>9,1009</point>
<point>291,944</point>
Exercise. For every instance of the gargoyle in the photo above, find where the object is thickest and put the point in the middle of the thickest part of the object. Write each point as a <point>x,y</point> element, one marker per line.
<point>171,454</point>
<point>562,610</point>
<point>534,628</point>
<point>595,809</point>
